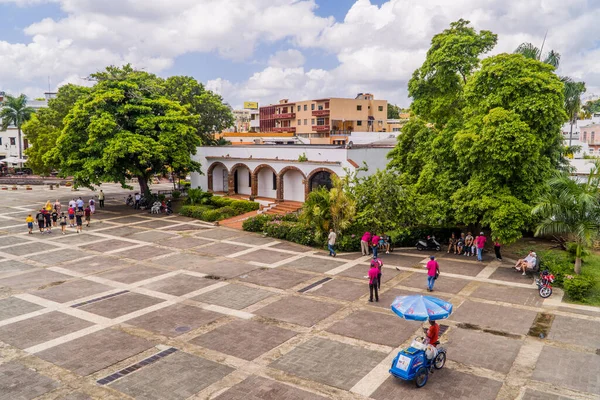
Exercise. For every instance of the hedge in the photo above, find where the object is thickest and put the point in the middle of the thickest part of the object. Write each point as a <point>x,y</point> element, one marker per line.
<point>218,208</point>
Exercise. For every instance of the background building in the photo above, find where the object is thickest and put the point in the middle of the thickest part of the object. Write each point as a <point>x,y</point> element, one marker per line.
<point>246,120</point>
<point>328,120</point>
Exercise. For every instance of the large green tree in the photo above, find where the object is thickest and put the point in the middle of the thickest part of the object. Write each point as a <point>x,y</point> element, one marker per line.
<point>45,126</point>
<point>126,127</point>
<point>529,50</point>
<point>15,111</point>
<point>482,140</point>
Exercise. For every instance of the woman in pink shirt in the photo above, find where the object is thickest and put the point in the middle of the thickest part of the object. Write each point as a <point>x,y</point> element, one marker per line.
<point>480,243</point>
<point>432,268</point>
<point>374,244</point>
<point>364,243</point>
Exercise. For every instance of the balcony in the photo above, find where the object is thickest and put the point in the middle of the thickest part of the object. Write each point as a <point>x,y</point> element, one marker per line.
<point>321,128</point>
<point>320,113</point>
<point>284,129</point>
<point>285,116</point>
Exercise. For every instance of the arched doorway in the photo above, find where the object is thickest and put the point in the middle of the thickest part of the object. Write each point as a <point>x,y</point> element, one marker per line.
<point>266,181</point>
<point>218,177</point>
<point>318,179</point>
<point>292,184</point>
<point>241,180</point>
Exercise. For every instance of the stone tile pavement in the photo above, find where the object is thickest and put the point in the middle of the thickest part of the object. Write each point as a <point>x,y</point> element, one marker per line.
<point>246,323</point>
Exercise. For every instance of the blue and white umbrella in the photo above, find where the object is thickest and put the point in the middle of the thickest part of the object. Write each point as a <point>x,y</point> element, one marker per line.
<point>421,308</point>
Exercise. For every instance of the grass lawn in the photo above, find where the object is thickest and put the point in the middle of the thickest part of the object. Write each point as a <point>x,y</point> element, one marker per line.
<point>591,263</point>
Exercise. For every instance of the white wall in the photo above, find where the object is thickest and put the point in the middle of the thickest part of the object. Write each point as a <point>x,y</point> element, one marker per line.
<point>265,183</point>
<point>243,181</point>
<point>293,188</point>
<point>375,157</point>
<point>219,184</point>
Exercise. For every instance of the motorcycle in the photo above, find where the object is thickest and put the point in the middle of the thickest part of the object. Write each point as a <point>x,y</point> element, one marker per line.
<point>129,201</point>
<point>429,244</point>
<point>544,283</point>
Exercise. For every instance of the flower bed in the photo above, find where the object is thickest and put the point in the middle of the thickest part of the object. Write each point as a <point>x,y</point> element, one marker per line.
<point>216,208</point>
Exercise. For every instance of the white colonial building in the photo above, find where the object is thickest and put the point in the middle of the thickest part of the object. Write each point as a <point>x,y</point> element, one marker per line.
<point>284,172</point>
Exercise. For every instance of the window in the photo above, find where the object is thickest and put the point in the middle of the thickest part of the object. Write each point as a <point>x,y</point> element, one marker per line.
<point>305,107</point>
<point>320,121</point>
<point>592,137</point>
<point>312,106</point>
<point>13,141</point>
<point>358,123</point>
<point>274,181</point>
<point>584,136</point>
<point>358,108</point>
<point>380,108</point>
<point>298,108</point>
<point>299,122</point>
<point>0,141</point>
<point>312,121</point>
<point>326,104</point>
<point>249,179</point>
<point>369,107</point>
<point>320,108</point>
<point>305,120</point>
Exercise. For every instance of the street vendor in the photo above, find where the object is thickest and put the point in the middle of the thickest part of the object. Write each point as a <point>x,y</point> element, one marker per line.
<point>433,333</point>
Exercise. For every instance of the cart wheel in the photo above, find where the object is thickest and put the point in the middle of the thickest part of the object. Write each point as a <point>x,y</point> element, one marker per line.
<point>421,377</point>
<point>440,360</point>
<point>545,292</point>
<point>437,248</point>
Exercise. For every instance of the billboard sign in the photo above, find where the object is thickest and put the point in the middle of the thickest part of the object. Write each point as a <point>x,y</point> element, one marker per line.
<point>251,105</point>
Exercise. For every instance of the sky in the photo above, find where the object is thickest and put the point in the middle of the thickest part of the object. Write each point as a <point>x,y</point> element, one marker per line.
<point>267,50</point>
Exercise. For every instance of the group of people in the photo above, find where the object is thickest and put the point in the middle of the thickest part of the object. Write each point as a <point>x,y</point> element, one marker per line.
<point>470,245</point>
<point>372,242</point>
<point>52,215</point>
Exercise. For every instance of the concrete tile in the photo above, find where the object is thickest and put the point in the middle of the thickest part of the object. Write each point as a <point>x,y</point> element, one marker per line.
<point>258,388</point>
<point>575,331</point>
<point>184,243</point>
<point>221,249</point>
<point>257,240</point>
<point>460,268</point>
<point>298,310</point>
<point>26,249</point>
<point>8,240</point>
<point>374,327</point>
<point>522,296</point>
<point>96,264</point>
<point>314,264</point>
<point>233,296</point>
<point>122,231</point>
<point>22,383</point>
<point>158,237</point>
<point>329,362</point>
<point>175,320</point>
<point>10,266</point>
<point>535,395</point>
<point>510,275</point>
<point>71,290</point>
<point>177,376</point>
<point>341,290</point>
<point>292,247</point>
<point>361,272</point>
<point>60,256</point>
<point>107,245</point>
<point>120,305</point>
<point>443,284</point>
<point>565,368</point>
<point>218,234</point>
<point>157,223</point>
<point>143,253</point>
<point>133,274</point>
<point>278,278</point>
<point>40,329</point>
<point>182,260</point>
<point>225,268</point>
<point>38,278</point>
<point>265,256</point>
<point>96,351</point>
<point>12,307</point>
<point>179,285</point>
<point>184,228</point>
<point>486,316</point>
<point>244,339</point>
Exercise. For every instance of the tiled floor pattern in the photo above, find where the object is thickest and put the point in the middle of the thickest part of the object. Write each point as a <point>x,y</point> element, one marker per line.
<point>153,307</point>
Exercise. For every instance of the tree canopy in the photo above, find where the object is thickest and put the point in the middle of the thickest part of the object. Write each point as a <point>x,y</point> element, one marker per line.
<point>484,137</point>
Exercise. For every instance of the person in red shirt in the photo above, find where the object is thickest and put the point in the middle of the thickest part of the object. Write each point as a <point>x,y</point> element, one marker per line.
<point>480,243</point>
<point>374,244</point>
<point>365,243</point>
<point>432,267</point>
<point>433,333</point>
<point>373,274</point>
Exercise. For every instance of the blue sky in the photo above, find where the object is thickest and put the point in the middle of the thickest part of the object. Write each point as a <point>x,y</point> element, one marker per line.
<point>264,50</point>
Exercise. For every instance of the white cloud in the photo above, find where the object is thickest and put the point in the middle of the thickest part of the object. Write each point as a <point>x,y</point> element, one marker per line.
<point>290,58</point>
<point>377,47</point>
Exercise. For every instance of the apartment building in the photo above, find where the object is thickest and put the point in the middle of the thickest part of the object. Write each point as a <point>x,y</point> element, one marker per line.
<point>328,120</point>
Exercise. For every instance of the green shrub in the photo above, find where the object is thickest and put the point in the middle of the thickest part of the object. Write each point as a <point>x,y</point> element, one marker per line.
<point>243,206</point>
<point>227,212</point>
<point>348,242</point>
<point>194,211</point>
<point>176,194</point>
<point>256,224</point>
<point>300,233</point>
<point>220,201</point>
<point>577,287</point>
<point>211,215</point>
<point>194,195</point>
<point>557,263</point>
<point>278,229</point>
<point>161,197</point>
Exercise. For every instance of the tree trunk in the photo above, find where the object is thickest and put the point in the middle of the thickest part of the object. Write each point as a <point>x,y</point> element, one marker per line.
<point>143,182</point>
<point>19,142</point>
<point>578,259</point>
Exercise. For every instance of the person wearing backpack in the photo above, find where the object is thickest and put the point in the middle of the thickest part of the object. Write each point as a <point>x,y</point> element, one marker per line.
<point>39,217</point>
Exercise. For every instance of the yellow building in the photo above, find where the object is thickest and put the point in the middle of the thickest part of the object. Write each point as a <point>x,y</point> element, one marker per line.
<point>329,120</point>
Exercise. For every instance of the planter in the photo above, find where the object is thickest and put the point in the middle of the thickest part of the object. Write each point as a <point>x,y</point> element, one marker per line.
<point>28,188</point>
<point>14,188</point>
<point>51,186</point>
<point>4,188</point>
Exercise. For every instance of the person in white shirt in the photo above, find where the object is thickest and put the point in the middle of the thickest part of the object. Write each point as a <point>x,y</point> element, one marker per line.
<point>527,262</point>
<point>331,242</point>
<point>137,200</point>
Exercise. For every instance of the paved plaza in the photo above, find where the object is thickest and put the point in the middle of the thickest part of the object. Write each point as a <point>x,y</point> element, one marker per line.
<point>142,306</point>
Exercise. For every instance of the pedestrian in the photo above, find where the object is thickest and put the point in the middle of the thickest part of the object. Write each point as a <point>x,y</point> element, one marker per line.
<point>48,206</point>
<point>79,220</point>
<point>29,221</point>
<point>88,215</point>
<point>452,244</point>
<point>63,222</point>
<point>433,270</point>
<point>365,241</point>
<point>54,216</point>
<point>72,217</point>
<point>497,249</point>
<point>374,244</point>
<point>48,222</point>
<point>57,206</point>
<point>373,281</point>
<point>79,203</point>
<point>480,242</point>
<point>39,217</point>
<point>331,242</point>
<point>92,204</point>
<point>101,199</point>
<point>137,201</point>
<point>379,265</point>
<point>72,203</point>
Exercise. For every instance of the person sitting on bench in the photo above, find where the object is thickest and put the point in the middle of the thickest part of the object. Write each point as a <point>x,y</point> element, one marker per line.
<point>527,262</point>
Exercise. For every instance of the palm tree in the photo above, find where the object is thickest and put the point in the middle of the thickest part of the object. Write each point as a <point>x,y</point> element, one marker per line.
<point>573,91</point>
<point>15,112</point>
<point>534,53</point>
<point>571,208</point>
